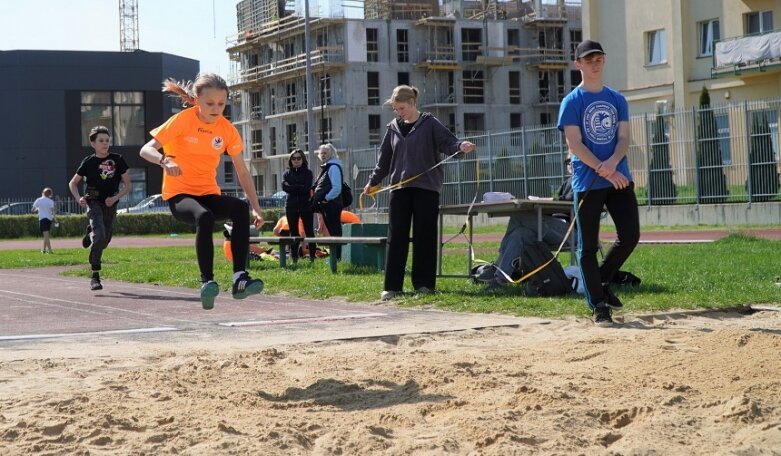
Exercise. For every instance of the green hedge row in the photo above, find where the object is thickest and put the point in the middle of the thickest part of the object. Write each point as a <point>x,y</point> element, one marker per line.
<point>18,226</point>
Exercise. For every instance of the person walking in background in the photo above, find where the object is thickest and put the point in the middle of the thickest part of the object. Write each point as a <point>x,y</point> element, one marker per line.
<point>595,122</point>
<point>414,142</point>
<point>193,141</point>
<point>327,198</point>
<point>297,183</point>
<point>103,171</point>
<point>45,208</point>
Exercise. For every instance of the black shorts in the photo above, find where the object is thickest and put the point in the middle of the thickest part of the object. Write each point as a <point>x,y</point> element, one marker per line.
<point>44,225</point>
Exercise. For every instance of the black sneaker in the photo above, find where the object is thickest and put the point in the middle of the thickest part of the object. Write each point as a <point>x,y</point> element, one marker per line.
<point>94,284</point>
<point>246,286</point>
<point>86,241</point>
<point>612,300</point>
<point>602,316</point>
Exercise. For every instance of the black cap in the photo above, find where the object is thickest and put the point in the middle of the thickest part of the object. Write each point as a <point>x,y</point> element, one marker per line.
<point>588,47</point>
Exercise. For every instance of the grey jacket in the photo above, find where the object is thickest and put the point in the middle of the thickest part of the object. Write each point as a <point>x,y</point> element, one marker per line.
<point>427,144</point>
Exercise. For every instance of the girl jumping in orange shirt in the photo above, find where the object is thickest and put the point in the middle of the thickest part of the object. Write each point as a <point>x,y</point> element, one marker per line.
<point>193,141</point>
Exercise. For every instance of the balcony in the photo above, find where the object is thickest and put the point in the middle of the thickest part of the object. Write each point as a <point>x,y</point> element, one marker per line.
<point>734,56</point>
<point>322,58</point>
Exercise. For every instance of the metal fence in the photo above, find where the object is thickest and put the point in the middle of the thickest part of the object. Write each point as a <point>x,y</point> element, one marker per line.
<point>721,154</point>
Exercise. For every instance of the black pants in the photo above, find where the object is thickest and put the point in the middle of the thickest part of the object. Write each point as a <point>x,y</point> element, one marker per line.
<point>204,211</point>
<point>101,221</point>
<point>622,207</point>
<point>307,219</point>
<point>419,209</point>
<point>332,216</point>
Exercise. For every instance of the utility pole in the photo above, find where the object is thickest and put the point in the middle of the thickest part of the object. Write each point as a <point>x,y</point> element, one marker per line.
<point>310,124</point>
<point>128,25</point>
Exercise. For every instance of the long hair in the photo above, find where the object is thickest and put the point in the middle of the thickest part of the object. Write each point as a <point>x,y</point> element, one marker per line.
<point>188,91</point>
<point>304,162</point>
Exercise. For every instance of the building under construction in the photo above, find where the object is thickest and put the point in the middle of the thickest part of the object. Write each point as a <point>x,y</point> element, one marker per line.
<point>479,65</point>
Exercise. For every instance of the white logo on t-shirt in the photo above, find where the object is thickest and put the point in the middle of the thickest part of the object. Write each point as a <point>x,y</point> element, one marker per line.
<point>600,122</point>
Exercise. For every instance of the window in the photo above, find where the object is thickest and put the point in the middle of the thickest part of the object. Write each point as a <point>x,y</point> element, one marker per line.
<point>227,171</point>
<point>373,88</point>
<point>709,33</point>
<point>513,41</point>
<point>515,87</point>
<point>272,93</point>
<point>515,124</point>
<point>292,140</point>
<point>657,47</point>
<point>758,22</point>
<point>474,124</point>
<point>451,87</point>
<point>575,78</point>
<point>273,134</point>
<point>256,147</point>
<point>451,122</point>
<point>372,45</point>
<point>374,129</point>
<point>403,78</point>
<point>402,46</point>
<point>290,99</point>
<point>544,85</point>
<point>473,87</point>
<point>121,112</point>
<point>471,40</point>
<point>575,38</point>
<point>256,109</point>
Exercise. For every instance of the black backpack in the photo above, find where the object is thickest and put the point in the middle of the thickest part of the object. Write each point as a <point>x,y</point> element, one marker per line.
<point>548,281</point>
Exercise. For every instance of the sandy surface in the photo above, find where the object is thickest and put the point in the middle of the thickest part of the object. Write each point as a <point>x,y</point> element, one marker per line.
<point>705,383</point>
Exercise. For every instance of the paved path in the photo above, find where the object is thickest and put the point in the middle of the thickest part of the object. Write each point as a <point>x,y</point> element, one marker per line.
<point>66,310</point>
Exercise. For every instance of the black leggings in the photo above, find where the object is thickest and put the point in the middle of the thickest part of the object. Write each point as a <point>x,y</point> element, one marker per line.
<point>204,211</point>
<point>622,207</point>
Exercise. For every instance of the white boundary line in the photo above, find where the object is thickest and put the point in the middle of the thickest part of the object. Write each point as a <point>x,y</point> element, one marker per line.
<point>95,333</point>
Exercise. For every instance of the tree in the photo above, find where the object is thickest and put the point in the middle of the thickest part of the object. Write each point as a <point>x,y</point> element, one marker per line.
<point>762,184</point>
<point>661,188</point>
<point>712,183</point>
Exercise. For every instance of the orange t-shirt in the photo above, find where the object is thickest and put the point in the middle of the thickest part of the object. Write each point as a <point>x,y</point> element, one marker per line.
<point>196,147</point>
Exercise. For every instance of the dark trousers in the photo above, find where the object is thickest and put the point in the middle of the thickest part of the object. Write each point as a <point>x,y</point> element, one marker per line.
<point>204,211</point>
<point>101,221</point>
<point>307,220</point>
<point>332,216</point>
<point>419,209</point>
<point>622,207</point>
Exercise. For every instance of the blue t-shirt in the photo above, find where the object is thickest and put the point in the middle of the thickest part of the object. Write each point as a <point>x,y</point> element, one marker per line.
<point>597,115</point>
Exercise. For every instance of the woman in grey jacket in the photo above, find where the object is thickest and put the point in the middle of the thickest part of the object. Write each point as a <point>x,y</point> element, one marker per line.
<point>413,143</point>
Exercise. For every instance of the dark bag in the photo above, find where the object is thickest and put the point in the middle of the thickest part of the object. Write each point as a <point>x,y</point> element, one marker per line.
<point>550,280</point>
<point>347,195</point>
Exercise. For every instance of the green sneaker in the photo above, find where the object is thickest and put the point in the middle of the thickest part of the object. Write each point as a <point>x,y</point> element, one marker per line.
<point>209,291</point>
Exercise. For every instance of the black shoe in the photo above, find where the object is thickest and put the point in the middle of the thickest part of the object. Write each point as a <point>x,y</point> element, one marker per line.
<point>612,300</point>
<point>86,241</point>
<point>94,284</point>
<point>246,286</point>
<point>602,316</point>
<point>209,291</point>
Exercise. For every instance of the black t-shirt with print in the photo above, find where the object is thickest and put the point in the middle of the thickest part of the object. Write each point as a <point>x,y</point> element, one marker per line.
<point>103,175</point>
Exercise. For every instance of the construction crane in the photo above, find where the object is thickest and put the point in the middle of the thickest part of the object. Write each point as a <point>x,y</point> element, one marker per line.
<point>128,25</point>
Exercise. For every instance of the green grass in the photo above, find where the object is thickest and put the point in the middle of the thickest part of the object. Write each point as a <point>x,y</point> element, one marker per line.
<point>734,271</point>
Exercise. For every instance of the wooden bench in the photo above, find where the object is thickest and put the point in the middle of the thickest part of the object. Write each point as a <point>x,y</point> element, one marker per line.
<point>284,241</point>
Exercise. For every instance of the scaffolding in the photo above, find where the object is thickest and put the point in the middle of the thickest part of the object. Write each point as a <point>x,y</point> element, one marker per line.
<point>384,9</point>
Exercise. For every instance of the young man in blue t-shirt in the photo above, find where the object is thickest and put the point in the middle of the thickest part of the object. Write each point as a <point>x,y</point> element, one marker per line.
<point>595,121</point>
